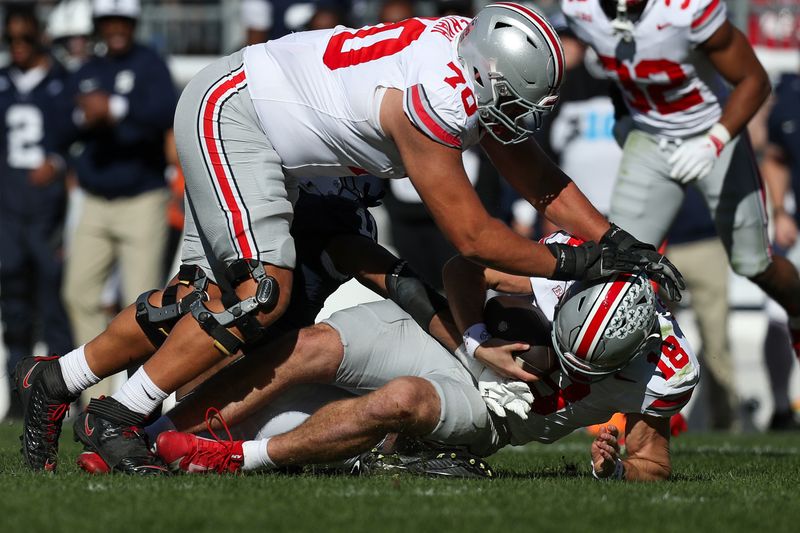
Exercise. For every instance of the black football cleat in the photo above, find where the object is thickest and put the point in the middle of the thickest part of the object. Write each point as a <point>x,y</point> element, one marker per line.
<point>116,435</point>
<point>409,456</point>
<point>45,402</point>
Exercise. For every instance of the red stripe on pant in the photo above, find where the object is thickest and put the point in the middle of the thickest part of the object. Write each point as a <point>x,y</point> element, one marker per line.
<point>217,163</point>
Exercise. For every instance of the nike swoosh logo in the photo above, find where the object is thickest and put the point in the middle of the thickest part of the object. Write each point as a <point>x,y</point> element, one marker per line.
<point>147,394</point>
<point>88,430</point>
<point>662,26</point>
<point>25,384</point>
<point>49,466</point>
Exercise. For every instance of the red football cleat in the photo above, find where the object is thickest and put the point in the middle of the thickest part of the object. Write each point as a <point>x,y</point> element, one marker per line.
<point>197,455</point>
<point>93,463</point>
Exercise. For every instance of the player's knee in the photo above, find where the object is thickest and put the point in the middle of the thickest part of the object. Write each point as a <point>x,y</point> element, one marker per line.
<point>281,304</point>
<point>407,404</point>
<point>757,271</point>
<point>320,348</point>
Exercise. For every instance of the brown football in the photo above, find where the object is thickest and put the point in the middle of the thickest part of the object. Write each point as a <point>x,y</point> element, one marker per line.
<point>514,318</point>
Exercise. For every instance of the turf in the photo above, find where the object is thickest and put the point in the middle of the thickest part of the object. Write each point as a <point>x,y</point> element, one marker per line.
<point>720,483</point>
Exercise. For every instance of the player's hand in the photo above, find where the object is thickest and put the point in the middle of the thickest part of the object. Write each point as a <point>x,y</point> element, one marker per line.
<point>695,157</point>
<point>44,174</point>
<point>498,355</point>
<point>502,395</point>
<point>605,451</point>
<point>95,107</point>
<point>785,230</point>
<point>634,254</point>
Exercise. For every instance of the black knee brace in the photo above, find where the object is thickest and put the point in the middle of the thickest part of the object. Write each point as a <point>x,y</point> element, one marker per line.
<point>413,295</point>
<point>239,313</point>
<point>157,322</point>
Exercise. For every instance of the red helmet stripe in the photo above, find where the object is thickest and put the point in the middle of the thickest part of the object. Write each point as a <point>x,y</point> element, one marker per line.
<point>544,26</point>
<point>602,314</point>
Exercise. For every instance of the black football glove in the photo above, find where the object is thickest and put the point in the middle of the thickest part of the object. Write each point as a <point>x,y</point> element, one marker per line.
<point>633,255</point>
<point>587,261</point>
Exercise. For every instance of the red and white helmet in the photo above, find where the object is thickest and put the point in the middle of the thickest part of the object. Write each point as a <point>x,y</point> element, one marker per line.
<point>601,325</point>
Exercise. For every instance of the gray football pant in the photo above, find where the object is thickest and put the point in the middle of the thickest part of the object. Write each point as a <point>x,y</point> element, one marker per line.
<point>238,201</point>
<point>646,200</point>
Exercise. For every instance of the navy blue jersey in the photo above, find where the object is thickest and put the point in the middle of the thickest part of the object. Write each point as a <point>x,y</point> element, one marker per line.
<point>127,158</point>
<point>30,121</point>
<point>317,219</point>
<point>784,128</point>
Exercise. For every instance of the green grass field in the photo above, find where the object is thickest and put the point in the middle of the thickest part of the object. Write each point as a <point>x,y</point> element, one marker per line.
<point>721,483</point>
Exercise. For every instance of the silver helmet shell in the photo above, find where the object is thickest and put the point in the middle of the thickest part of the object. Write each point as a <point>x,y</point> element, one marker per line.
<point>602,325</point>
<point>515,60</point>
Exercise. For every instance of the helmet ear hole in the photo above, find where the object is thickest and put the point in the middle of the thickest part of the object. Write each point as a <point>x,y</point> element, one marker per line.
<point>477,76</point>
<point>581,302</point>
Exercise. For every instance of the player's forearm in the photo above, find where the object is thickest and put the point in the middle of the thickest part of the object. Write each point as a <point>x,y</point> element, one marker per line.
<point>573,212</point>
<point>637,469</point>
<point>494,245</point>
<point>776,177</point>
<point>744,102</point>
<point>465,286</point>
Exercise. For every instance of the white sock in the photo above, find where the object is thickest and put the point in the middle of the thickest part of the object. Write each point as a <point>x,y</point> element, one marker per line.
<point>164,423</point>
<point>75,369</point>
<point>140,394</point>
<point>255,455</point>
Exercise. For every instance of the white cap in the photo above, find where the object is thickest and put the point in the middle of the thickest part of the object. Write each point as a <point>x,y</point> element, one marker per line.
<point>257,14</point>
<point>70,18</point>
<point>116,8</point>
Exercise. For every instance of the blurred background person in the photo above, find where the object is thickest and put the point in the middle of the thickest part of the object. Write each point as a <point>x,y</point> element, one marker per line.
<point>125,103</point>
<point>695,249</point>
<point>396,10</point>
<point>69,27</point>
<point>32,194</point>
<point>257,20</point>
<point>780,168</point>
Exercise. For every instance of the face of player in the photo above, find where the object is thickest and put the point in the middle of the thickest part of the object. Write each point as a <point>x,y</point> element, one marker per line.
<point>117,33</point>
<point>22,39</point>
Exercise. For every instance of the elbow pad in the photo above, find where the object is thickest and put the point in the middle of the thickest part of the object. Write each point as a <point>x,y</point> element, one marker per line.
<point>413,295</point>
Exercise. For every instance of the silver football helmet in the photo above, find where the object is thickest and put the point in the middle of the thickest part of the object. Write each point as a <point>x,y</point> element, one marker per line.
<point>602,325</point>
<point>516,63</point>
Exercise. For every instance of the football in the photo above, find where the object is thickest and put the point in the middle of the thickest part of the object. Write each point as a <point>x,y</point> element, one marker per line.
<point>514,318</point>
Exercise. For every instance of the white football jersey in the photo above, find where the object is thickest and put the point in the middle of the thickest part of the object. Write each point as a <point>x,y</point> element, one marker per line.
<point>669,87</point>
<point>655,384</point>
<point>318,94</point>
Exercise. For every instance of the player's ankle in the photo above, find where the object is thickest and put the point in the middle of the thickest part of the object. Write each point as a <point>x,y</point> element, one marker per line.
<point>75,371</point>
<point>256,455</point>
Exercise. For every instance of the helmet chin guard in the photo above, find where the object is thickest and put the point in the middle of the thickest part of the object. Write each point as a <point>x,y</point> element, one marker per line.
<point>516,63</point>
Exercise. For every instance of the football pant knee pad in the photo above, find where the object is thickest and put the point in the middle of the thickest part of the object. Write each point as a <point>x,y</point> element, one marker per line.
<point>157,322</point>
<point>239,314</point>
<point>413,295</point>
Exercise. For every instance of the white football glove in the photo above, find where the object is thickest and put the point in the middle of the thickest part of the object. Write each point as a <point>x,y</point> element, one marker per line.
<point>695,157</point>
<point>501,394</point>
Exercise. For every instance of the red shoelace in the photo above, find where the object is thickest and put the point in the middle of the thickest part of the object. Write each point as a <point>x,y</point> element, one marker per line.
<point>219,455</point>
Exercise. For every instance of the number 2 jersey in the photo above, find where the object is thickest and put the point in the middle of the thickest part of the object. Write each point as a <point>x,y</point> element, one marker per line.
<point>318,94</point>
<point>652,384</point>
<point>32,115</point>
<point>670,88</point>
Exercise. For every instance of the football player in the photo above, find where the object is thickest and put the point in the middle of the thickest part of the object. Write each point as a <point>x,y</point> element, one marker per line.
<point>619,351</point>
<point>668,59</point>
<point>389,100</point>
